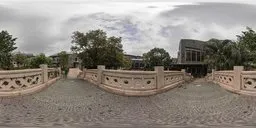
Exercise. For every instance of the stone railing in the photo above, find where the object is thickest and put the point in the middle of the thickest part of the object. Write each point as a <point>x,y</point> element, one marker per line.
<point>172,77</point>
<point>209,77</point>
<point>248,81</point>
<point>91,75</point>
<point>19,82</point>
<point>224,77</point>
<point>129,80</point>
<point>237,80</point>
<point>53,73</point>
<point>134,83</point>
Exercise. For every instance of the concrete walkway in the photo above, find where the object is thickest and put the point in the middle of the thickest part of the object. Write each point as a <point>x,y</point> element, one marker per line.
<point>73,72</point>
<point>77,103</point>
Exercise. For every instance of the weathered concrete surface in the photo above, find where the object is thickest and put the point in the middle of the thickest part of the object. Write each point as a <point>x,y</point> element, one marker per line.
<point>77,103</point>
<point>73,72</point>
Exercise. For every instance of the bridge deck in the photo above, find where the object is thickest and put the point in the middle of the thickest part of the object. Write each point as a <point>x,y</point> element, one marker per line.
<point>74,103</point>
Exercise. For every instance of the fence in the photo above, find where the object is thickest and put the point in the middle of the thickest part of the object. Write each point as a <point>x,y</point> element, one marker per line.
<point>134,83</point>
<point>236,80</point>
<point>19,82</point>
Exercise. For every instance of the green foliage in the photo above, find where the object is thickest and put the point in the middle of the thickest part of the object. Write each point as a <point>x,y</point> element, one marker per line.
<point>20,59</point>
<point>156,57</point>
<point>95,48</point>
<point>247,41</point>
<point>63,59</point>
<point>6,47</point>
<point>36,61</point>
<point>28,62</point>
<point>127,63</point>
<point>224,54</point>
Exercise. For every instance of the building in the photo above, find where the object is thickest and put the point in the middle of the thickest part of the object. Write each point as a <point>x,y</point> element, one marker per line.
<point>73,60</point>
<point>190,57</point>
<point>137,61</point>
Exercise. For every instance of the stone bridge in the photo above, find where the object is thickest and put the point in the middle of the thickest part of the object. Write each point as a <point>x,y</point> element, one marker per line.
<point>77,103</point>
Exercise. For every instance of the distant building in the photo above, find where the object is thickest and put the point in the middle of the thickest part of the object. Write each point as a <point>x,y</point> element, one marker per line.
<point>73,60</point>
<point>174,60</point>
<point>191,56</point>
<point>137,61</point>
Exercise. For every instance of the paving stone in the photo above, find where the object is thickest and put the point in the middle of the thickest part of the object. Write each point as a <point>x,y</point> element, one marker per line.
<point>74,103</point>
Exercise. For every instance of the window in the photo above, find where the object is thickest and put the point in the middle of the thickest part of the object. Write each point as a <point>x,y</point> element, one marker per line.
<point>198,56</point>
<point>202,57</point>
<point>136,65</point>
<point>193,55</point>
<point>188,55</point>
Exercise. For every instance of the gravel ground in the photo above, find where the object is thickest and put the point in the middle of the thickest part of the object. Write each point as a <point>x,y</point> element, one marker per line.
<point>77,103</point>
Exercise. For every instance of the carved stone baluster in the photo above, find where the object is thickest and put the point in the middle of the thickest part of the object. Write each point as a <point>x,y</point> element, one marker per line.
<point>100,68</point>
<point>44,72</point>
<point>133,83</point>
<point>143,82</point>
<point>160,76</point>
<point>237,77</point>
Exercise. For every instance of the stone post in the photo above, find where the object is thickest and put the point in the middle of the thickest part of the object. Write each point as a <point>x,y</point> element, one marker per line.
<point>237,77</point>
<point>159,76</point>
<point>59,70</point>
<point>84,73</point>
<point>44,68</point>
<point>184,73</point>
<point>99,75</point>
<point>213,70</point>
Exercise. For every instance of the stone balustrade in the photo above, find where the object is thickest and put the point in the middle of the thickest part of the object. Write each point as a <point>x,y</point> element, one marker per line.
<point>53,73</point>
<point>248,81</point>
<point>224,77</point>
<point>172,77</point>
<point>19,82</point>
<point>91,75</point>
<point>134,83</point>
<point>237,80</point>
<point>129,80</point>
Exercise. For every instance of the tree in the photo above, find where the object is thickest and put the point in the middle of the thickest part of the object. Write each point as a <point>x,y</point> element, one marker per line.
<point>224,54</point>
<point>7,43</point>
<point>95,48</point>
<point>20,59</point>
<point>127,63</point>
<point>247,42</point>
<point>156,57</point>
<point>63,59</point>
<point>28,62</point>
<point>36,61</point>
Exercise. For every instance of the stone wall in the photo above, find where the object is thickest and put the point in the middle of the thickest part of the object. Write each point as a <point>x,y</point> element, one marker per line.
<point>20,82</point>
<point>236,80</point>
<point>134,83</point>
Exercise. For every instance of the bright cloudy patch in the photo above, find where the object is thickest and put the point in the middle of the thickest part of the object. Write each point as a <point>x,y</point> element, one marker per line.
<point>47,26</point>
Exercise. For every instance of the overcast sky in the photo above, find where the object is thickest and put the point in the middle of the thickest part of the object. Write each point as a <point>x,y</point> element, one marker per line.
<point>47,25</point>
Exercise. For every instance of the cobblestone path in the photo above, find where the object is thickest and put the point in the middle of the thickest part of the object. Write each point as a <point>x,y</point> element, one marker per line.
<point>77,103</point>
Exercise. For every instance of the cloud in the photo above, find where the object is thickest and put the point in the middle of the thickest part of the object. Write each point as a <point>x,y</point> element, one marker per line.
<point>142,25</point>
<point>220,13</point>
<point>200,21</point>
<point>33,32</point>
<point>206,20</point>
